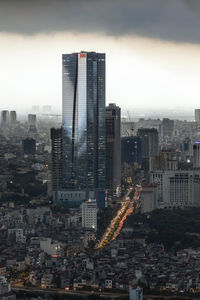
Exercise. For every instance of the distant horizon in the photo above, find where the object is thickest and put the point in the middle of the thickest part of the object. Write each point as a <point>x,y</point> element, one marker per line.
<point>152,50</point>
<point>132,114</point>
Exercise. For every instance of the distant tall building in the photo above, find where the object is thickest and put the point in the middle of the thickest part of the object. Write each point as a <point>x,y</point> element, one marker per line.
<point>196,155</point>
<point>32,123</point>
<point>197,115</point>
<point>84,126</point>
<point>4,117</point>
<point>47,108</point>
<point>113,147</point>
<point>89,215</point>
<point>149,138</point>
<point>131,157</point>
<point>131,150</point>
<point>13,116</point>
<point>29,146</point>
<point>56,163</point>
<point>36,108</point>
<point>32,119</point>
<point>167,127</point>
<point>187,147</point>
<point>187,153</point>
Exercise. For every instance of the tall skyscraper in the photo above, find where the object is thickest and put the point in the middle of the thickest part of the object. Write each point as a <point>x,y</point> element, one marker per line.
<point>196,155</point>
<point>197,115</point>
<point>113,147</point>
<point>32,122</point>
<point>149,137</point>
<point>56,154</point>
<point>4,117</point>
<point>83,114</point>
<point>131,156</point>
<point>13,116</point>
<point>131,150</point>
<point>167,127</point>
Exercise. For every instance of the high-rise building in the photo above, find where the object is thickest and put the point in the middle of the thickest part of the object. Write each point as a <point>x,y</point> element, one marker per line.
<point>196,155</point>
<point>13,116</point>
<point>84,127</point>
<point>4,117</point>
<point>167,127</point>
<point>131,157</point>
<point>29,146</point>
<point>56,154</point>
<point>32,119</point>
<point>187,147</point>
<point>113,147</point>
<point>177,188</point>
<point>149,138</point>
<point>197,115</point>
<point>32,123</point>
<point>131,150</point>
<point>89,214</point>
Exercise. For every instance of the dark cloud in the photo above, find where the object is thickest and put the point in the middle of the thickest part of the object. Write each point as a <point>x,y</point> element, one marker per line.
<point>176,20</point>
<point>193,5</point>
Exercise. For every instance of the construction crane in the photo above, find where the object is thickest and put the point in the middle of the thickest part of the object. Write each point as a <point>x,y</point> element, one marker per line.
<point>53,115</point>
<point>132,128</point>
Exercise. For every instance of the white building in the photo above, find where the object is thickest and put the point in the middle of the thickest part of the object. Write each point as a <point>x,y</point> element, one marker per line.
<point>5,290</point>
<point>89,214</point>
<point>149,198</point>
<point>135,293</point>
<point>68,197</point>
<point>177,188</point>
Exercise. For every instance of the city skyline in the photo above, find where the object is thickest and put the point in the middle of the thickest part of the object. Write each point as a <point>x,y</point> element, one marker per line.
<point>154,45</point>
<point>99,149</point>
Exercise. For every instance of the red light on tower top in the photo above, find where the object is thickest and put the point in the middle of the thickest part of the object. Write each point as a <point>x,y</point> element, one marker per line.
<point>81,55</point>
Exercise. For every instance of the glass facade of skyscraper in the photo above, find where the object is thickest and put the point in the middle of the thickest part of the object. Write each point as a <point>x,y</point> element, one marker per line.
<point>84,152</point>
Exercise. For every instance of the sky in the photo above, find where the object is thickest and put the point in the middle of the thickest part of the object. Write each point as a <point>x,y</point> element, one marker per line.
<point>152,50</point>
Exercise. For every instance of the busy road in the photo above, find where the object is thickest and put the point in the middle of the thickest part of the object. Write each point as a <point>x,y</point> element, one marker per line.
<point>126,208</point>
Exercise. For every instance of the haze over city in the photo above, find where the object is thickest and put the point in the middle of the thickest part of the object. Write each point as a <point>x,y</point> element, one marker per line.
<point>152,51</point>
<point>99,149</point>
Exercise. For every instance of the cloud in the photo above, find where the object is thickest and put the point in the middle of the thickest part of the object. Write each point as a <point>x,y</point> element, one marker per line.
<point>174,20</point>
<point>194,5</point>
